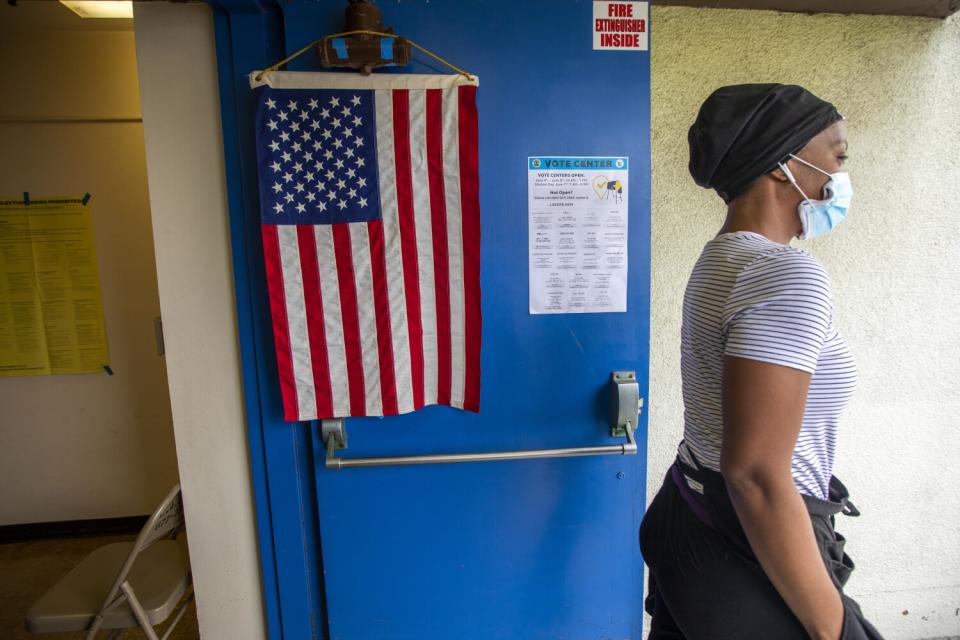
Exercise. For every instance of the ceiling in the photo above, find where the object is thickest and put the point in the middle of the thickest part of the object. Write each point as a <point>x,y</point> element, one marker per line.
<point>50,15</point>
<point>929,8</point>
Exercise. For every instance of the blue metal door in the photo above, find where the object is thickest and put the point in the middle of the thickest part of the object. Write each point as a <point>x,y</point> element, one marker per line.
<point>511,549</point>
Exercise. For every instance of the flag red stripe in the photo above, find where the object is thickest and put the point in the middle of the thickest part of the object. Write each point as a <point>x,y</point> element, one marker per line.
<point>381,306</point>
<point>343,251</point>
<point>278,309</point>
<point>408,238</point>
<point>441,258</point>
<point>313,305</point>
<point>470,211</point>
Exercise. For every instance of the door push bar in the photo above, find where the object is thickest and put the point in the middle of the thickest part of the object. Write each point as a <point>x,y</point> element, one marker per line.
<point>626,406</point>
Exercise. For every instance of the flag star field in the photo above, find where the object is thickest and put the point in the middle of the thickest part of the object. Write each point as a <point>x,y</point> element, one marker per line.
<point>317,152</point>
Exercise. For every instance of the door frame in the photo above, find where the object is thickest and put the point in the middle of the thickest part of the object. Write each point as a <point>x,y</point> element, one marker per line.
<point>290,562</point>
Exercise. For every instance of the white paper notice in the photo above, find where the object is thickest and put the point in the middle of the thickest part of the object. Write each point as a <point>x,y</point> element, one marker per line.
<point>578,234</point>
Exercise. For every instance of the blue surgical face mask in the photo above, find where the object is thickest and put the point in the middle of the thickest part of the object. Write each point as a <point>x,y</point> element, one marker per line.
<point>819,217</point>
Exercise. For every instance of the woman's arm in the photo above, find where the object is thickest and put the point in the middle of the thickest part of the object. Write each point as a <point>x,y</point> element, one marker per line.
<point>763,407</point>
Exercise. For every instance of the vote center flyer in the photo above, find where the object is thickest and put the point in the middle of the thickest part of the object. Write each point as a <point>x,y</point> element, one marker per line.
<point>577,208</point>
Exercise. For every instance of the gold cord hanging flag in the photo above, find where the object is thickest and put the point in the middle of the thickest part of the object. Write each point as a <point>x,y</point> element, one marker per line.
<point>324,40</point>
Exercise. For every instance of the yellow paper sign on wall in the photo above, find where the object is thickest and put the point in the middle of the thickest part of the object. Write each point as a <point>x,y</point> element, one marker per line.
<point>51,312</point>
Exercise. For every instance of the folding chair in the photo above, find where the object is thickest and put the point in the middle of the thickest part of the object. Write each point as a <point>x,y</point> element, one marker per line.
<point>123,585</point>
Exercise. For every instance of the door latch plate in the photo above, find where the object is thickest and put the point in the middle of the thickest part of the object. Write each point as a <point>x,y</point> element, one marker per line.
<point>335,429</point>
<point>626,403</point>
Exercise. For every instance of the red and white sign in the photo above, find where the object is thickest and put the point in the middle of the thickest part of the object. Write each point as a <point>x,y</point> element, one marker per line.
<point>621,25</point>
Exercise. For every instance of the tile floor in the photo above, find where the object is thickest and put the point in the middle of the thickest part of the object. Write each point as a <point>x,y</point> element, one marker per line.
<point>28,569</point>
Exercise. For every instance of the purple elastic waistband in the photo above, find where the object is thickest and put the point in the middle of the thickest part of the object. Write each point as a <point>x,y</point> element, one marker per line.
<point>696,503</point>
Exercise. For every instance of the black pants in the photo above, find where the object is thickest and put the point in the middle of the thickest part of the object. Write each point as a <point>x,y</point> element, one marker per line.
<point>705,582</point>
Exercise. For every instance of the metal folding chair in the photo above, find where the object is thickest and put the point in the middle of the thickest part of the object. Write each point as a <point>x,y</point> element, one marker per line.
<point>124,585</point>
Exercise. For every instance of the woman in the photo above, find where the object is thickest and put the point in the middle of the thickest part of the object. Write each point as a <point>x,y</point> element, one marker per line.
<point>739,540</point>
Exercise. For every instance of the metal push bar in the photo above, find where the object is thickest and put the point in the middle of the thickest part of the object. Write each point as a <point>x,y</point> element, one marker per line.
<point>332,433</point>
<point>625,407</point>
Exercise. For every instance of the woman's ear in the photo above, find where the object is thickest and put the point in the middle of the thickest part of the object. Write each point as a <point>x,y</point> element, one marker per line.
<point>781,174</point>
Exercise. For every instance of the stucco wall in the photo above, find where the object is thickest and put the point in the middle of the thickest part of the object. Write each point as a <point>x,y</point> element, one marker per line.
<point>895,268</point>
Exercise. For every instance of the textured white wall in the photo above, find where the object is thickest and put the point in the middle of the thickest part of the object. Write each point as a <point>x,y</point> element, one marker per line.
<point>895,268</point>
<point>181,123</point>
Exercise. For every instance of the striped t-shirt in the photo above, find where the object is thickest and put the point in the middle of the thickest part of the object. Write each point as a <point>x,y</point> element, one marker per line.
<point>751,297</point>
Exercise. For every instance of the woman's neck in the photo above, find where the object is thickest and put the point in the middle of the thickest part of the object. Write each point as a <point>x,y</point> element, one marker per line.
<point>761,211</point>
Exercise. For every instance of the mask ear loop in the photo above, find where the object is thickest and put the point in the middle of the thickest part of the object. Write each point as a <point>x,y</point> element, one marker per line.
<point>793,181</point>
<point>814,167</point>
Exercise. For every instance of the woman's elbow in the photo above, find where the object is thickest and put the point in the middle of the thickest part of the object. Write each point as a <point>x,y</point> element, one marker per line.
<point>760,480</point>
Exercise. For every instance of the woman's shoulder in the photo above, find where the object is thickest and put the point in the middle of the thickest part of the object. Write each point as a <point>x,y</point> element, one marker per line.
<point>781,287</point>
<point>761,257</point>
<point>786,276</point>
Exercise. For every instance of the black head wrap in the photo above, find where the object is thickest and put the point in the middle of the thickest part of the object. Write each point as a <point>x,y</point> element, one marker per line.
<point>744,130</point>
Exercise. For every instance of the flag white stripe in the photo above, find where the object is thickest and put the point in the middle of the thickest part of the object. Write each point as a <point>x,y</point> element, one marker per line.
<point>451,172</point>
<point>332,319</point>
<point>394,257</point>
<point>297,321</point>
<point>424,229</point>
<point>367,317</point>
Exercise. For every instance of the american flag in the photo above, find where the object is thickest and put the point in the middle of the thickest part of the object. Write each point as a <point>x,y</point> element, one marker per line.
<point>369,208</point>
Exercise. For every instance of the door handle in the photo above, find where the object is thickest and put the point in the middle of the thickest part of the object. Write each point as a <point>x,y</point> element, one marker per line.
<point>334,429</point>
<point>627,406</point>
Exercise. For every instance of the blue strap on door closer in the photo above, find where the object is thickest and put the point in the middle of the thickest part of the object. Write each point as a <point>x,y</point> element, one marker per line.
<point>386,48</point>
